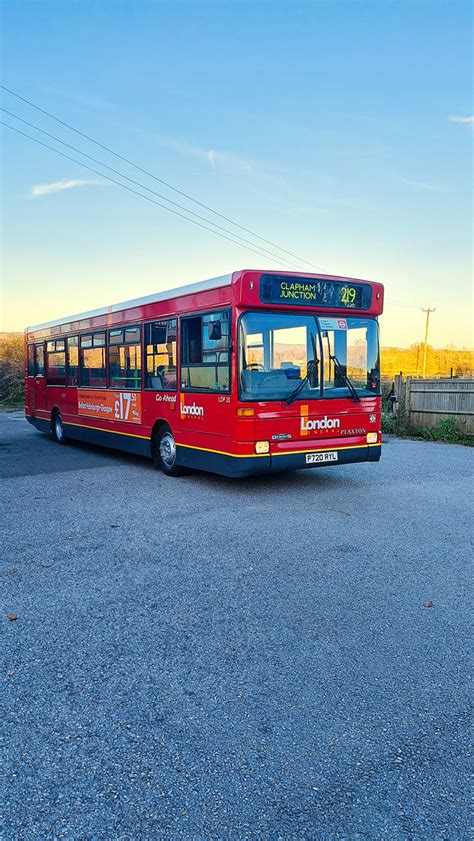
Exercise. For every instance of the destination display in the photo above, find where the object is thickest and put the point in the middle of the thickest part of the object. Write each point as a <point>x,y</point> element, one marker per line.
<point>334,294</point>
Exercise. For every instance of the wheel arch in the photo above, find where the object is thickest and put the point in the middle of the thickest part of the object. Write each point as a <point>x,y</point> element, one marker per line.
<point>158,426</point>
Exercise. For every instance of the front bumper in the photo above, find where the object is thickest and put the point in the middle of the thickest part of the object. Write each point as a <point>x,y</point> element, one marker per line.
<point>237,466</point>
<point>345,455</point>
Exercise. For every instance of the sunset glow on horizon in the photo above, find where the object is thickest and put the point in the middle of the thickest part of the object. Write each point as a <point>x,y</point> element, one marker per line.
<point>354,154</point>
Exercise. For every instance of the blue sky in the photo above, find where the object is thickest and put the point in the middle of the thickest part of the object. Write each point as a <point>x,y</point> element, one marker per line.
<point>339,130</point>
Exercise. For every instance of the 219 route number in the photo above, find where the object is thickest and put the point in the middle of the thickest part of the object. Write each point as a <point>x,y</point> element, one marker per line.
<point>348,295</point>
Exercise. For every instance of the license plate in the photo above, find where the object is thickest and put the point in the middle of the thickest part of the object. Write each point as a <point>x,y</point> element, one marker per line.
<point>320,458</point>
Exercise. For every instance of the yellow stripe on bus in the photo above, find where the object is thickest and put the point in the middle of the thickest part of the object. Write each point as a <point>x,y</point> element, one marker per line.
<point>290,453</point>
<point>222,452</point>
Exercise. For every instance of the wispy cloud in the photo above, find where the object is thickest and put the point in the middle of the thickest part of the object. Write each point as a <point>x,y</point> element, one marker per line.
<point>468,120</point>
<point>422,185</point>
<point>59,186</point>
<point>210,156</point>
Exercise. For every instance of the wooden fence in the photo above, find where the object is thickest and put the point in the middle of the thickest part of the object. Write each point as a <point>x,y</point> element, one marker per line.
<point>425,402</point>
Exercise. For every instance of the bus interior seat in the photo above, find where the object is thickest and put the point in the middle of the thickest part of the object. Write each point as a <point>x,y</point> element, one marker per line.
<point>155,382</point>
<point>292,371</point>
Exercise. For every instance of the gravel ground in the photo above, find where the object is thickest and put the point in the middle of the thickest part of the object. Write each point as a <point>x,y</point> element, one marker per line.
<point>203,658</point>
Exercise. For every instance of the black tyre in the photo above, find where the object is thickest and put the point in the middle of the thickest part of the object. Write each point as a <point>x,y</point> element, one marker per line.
<point>57,428</point>
<point>164,452</point>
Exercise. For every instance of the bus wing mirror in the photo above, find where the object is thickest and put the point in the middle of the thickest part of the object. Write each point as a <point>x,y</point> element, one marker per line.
<point>214,331</point>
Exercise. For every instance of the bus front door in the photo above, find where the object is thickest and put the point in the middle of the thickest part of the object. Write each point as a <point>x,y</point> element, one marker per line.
<point>38,392</point>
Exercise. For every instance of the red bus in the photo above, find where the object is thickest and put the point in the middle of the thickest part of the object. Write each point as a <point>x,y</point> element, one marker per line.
<point>246,373</point>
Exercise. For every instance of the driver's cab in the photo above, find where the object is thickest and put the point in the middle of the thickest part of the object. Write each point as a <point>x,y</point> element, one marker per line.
<point>278,350</point>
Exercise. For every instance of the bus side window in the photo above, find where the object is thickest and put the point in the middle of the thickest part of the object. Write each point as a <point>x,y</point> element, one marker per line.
<point>72,360</point>
<point>56,357</point>
<point>31,360</point>
<point>92,360</point>
<point>125,358</point>
<point>160,350</point>
<point>205,358</point>
<point>39,360</point>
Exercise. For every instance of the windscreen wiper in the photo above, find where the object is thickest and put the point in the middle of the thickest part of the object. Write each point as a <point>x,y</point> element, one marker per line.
<point>310,370</point>
<point>343,374</point>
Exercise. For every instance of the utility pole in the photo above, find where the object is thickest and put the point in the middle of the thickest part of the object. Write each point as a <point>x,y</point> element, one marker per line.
<point>427,311</point>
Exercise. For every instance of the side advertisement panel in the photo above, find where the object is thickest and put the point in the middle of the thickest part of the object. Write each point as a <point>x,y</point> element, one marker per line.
<point>110,405</point>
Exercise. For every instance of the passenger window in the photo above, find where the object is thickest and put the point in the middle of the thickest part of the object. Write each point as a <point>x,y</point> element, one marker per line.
<point>160,350</point>
<point>39,360</point>
<point>116,337</point>
<point>205,357</point>
<point>92,360</point>
<point>31,360</point>
<point>125,358</point>
<point>72,360</point>
<point>132,335</point>
<point>56,362</point>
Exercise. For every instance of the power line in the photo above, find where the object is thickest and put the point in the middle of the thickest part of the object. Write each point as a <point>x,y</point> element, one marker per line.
<point>155,177</point>
<point>165,183</point>
<point>130,189</point>
<point>399,304</point>
<point>268,253</point>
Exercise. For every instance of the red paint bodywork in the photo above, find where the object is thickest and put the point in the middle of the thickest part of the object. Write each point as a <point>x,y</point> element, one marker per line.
<point>219,430</point>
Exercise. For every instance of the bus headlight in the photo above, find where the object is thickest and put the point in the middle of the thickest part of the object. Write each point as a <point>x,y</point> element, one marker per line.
<point>372,437</point>
<point>262,447</point>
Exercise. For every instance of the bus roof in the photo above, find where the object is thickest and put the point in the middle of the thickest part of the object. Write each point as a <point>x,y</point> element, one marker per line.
<point>190,289</point>
<point>248,296</point>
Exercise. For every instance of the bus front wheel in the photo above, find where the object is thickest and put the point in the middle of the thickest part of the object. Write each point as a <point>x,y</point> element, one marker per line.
<point>164,452</point>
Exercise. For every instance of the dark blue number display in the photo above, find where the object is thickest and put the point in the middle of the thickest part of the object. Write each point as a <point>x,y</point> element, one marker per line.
<point>333,294</point>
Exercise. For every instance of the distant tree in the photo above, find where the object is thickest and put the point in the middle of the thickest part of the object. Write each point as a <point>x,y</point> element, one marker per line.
<point>439,361</point>
<point>11,369</point>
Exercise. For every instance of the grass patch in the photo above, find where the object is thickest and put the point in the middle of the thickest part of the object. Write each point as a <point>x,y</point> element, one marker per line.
<point>445,430</point>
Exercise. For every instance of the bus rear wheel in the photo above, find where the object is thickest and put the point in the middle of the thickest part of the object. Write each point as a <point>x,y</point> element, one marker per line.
<point>164,452</point>
<point>57,428</point>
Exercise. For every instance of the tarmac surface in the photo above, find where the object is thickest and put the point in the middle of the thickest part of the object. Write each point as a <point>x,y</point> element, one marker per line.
<point>279,657</point>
